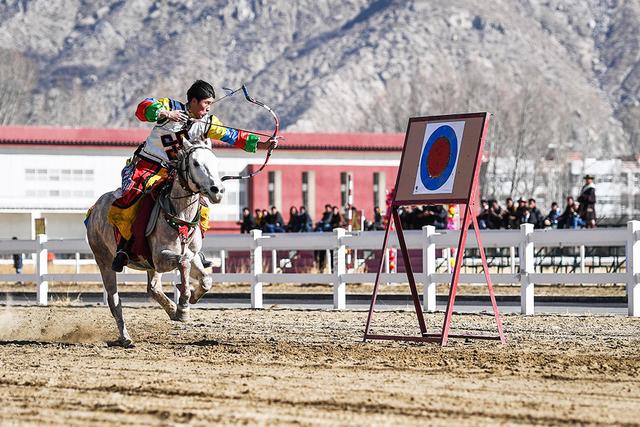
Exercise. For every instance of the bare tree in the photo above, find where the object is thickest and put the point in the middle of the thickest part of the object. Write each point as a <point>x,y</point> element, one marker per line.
<point>18,77</point>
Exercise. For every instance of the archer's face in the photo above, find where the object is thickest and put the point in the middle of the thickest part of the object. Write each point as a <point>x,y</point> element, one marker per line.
<point>199,109</point>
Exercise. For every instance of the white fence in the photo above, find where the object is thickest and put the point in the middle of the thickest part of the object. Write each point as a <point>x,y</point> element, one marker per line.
<point>427,240</point>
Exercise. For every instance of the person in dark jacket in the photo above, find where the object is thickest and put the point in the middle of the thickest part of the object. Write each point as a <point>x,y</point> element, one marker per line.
<point>337,220</point>
<point>293,226</point>
<point>17,263</point>
<point>325,222</point>
<point>305,221</point>
<point>536,216</point>
<point>509,215</point>
<point>248,222</point>
<point>274,222</point>
<point>587,200</point>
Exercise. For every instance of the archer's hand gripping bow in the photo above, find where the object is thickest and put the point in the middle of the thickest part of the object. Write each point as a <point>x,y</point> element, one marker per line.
<point>272,139</point>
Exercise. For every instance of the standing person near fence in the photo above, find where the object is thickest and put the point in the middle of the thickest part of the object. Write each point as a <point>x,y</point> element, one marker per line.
<point>17,263</point>
<point>587,200</point>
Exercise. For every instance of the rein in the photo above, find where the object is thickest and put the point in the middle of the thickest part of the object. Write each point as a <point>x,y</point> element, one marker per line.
<point>181,171</point>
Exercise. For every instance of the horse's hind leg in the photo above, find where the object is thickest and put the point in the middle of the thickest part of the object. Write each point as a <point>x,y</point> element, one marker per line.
<point>115,305</point>
<point>204,281</point>
<point>154,288</point>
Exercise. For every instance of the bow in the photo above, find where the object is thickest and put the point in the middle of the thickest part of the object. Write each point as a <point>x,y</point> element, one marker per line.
<point>272,139</point>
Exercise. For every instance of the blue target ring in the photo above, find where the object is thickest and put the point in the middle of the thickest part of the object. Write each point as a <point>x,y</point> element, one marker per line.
<point>444,136</point>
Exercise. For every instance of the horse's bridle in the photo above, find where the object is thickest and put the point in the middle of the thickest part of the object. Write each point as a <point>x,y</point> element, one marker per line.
<point>183,172</point>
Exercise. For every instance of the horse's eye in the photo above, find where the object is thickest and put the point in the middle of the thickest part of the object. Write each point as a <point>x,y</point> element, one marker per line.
<point>195,163</point>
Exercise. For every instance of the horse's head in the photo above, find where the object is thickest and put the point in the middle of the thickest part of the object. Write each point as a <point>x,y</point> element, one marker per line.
<point>198,169</point>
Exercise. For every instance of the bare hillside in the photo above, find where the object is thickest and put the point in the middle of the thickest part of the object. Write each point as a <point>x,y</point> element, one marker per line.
<point>565,73</point>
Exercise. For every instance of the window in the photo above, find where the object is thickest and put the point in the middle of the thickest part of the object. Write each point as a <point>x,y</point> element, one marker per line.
<point>309,191</point>
<point>346,188</point>
<point>272,188</point>
<point>275,189</point>
<point>379,189</point>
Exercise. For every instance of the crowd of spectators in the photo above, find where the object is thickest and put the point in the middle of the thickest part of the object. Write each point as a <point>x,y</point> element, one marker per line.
<point>578,213</point>
<point>272,221</point>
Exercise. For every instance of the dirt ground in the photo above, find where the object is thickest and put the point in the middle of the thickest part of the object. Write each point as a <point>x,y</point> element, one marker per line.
<point>310,367</point>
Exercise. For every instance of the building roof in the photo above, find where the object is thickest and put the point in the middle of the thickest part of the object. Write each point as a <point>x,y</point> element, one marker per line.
<point>112,137</point>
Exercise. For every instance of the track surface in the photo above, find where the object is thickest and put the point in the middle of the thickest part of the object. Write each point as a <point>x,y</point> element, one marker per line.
<point>293,367</point>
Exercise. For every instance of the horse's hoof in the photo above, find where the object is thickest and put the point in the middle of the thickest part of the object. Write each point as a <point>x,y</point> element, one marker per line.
<point>181,316</point>
<point>122,342</point>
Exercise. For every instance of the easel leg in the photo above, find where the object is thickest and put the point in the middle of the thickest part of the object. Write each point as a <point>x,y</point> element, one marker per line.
<point>412,281</point>
<point>487,276</point>
<point>456,275</point>
<point>374,296</point>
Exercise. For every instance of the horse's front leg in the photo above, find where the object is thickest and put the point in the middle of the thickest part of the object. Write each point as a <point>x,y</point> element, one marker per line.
<point>154,288</point>
<point>204,280</point>
<point>170,261</point>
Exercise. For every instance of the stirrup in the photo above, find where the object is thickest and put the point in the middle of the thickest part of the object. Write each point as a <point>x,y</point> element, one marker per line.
<point>119,261</point>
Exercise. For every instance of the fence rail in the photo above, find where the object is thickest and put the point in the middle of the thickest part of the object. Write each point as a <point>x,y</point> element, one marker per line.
<point>426,240</point>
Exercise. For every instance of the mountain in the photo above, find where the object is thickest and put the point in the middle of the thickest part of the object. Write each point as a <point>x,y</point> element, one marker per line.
<point>560,75</point>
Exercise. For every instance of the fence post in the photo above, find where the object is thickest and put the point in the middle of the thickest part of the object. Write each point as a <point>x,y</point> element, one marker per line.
<point>428,268</point>
<point>526,255</point>
<point>256,269</point>
<point>223,261</point>
<point>274,261</point>
<point>41,270</point>
<point>633,268</point>
<point>339,268</point>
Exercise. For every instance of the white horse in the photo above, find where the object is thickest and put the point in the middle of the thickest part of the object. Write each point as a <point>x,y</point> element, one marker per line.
<point>197,174</point>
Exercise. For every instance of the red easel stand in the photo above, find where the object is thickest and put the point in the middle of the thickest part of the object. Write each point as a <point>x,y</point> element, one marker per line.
<point>468,218</point>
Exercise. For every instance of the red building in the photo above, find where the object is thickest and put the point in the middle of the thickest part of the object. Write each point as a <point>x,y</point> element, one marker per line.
<point>60,172</point>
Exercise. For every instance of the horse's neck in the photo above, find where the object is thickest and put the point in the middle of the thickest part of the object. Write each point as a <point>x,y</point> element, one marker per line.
<point>184,203</point>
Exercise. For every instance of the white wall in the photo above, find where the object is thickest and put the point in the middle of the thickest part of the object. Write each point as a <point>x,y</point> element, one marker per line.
<point>15,224</point>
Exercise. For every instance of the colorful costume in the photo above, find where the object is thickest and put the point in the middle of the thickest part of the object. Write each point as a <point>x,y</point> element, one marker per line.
<point>149,166</point>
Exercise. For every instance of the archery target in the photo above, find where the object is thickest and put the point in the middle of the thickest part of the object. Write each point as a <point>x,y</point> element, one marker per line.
<point>439,158</point>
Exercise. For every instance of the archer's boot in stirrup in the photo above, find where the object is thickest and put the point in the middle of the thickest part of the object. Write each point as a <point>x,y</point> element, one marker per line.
<point>122,258</point>
<point>119,261</point>
<point>205,262</point>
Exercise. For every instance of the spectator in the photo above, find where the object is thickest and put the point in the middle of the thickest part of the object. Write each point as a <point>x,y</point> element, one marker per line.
<point>325,222</point>
<point>336,218</point>
<point>564,221</point>
<point>378,220</point>
<point>259,217</point>
<point>526,217</point>
<point>509,215</point>
<point>274,222</point>
<point>483,216</point>
<point>574,219</point>
<point>495,215</point>
<point>17,263</point>
<point>536,215</point>
<point>520,211</point>
<point>248,222</point>
<point>434,215</point>
<point>551,221</point>
<point>306,223</point>
<point>293,225</point>
<point>587,200</point>
<point>408,217</point>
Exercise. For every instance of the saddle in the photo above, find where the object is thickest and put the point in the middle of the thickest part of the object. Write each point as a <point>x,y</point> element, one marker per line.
<point>154,205</point>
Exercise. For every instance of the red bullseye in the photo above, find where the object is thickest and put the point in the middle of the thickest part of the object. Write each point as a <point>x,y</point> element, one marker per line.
<point>438,157</point>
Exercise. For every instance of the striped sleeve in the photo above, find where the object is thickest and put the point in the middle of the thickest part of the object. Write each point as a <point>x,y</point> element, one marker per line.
<point>238,138</point>
<point>149,108</point>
